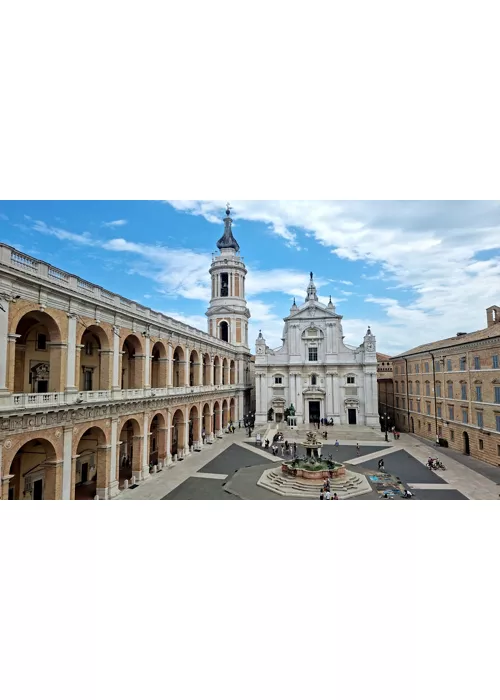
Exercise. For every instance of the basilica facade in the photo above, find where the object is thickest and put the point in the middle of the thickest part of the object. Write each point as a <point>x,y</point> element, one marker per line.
<point>316,371</point>
<point>98,392</point>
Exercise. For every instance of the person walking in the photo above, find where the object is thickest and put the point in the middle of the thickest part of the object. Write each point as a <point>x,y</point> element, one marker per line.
<point>337,444</point>
<point>381,465</point>
<point>294,449</point>
<point>358,450</point>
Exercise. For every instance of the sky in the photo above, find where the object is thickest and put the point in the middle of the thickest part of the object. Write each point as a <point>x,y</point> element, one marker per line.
<point>415,271</point>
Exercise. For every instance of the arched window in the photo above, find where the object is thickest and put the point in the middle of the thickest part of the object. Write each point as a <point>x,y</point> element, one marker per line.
<point>314,380</point>
<point>224,331</point>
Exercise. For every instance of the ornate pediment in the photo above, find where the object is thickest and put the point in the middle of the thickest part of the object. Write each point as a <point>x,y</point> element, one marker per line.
<point>313,311</point>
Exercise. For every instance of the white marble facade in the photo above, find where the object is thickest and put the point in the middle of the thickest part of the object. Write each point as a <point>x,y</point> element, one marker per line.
<point>315,370</point>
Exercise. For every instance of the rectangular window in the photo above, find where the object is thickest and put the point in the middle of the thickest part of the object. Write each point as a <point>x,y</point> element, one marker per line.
<point>278,380</point>
<point>352,380</point>
<point>464,391</point>
<point>451,413</point>
<point>494,361</point>
<point>417,368</point>
<point>437,365</point>
<point>397,387</point>
<point>427,389</point>
<point>481,445</point>
<point>498,450</point>
<point>452,435</point>
<point>313,354</point>
<point>403,402</point>
<point>418,406</point>
<point>498,423</point>
<point>450,390</point>
<point>479,393</point>
<point>411,404</point>
<point>448,365</point>
<point>465,416</point>
<point>440,412</point>
<point>87,380</point>
<point>397,401</point>
<point>41,341</point>
<point>88,348</point>
<point>428,427</point>
<point>462,364</point>
<point>438,389</point>
<point>497,394</point>
<point>479,419</point>
<point>426,366</point>
<point>477,363</point>
<point>428,408</point>
<point>396,370</point>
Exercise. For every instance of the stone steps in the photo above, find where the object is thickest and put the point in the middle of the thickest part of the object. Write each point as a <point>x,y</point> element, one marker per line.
<point>352,484</point>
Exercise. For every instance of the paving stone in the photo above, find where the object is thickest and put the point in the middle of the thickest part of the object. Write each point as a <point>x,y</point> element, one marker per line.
<point>232,459</point>
<point>438,495</point>
<point>195,489</point>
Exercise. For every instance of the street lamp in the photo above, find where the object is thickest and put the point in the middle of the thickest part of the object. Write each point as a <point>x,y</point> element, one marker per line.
<point>384,417</point>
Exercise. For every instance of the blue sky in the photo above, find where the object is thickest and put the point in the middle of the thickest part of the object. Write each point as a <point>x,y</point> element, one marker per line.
<point>414,271</point>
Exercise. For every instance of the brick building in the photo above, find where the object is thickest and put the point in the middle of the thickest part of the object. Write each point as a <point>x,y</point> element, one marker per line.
<point>451,389</point>
<point>94,388</point>
<point>385,386</point>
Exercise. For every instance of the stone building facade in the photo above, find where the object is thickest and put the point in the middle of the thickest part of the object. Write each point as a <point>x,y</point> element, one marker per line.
<point>315,370</point>
<point>385,385</point>
<point>95,388</point>
<point>450,389</point>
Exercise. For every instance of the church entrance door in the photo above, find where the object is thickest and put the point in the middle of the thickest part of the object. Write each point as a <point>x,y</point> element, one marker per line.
<point>351,414</point>
<point>314,412</point>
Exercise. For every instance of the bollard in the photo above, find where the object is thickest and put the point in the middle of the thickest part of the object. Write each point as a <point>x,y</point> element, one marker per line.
<point>125,484</point>
<point>96,497</point>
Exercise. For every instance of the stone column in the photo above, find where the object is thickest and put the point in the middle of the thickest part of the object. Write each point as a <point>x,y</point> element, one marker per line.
<point>71,384</point>
<point>4,343</point>
<point>368,396</point>
<point>337,408</point>
<point>137,457</point>
<point>185,447</point>
<point>145,447</point>
<point>53,482</point>
<point>113,460</point>
<point>67,464</point>
<point>116,382</point>
<point>199,381</point>
<point>187,357</point>
<point>170,367</point>
<point>168,440</point>
<point>147,362</point>
<point>103,471</point>
<point>15,364</point>
<point>329,394</point>
<point>211,372</point>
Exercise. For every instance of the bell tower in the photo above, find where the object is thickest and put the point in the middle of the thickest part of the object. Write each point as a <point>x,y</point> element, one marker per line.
<point>228,312</point>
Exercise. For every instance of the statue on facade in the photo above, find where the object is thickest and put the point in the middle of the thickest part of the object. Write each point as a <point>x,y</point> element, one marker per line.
<point>291,410</point>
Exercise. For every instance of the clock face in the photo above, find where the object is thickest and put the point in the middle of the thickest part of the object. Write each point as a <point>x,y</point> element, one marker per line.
<point>259,350</point>
<point>370,346</point>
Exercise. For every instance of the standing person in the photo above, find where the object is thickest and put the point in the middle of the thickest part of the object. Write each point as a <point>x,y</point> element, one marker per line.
<point>328,496</point>
<point>337,444</point>
<point>381,465</point>
<point>358,451</point>
<point>203,436</point>
<point>335,497</point>
<point>294,449</point>
<point>321,495</point>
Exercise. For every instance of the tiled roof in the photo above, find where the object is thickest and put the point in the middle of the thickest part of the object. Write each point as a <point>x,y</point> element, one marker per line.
<point>484,334</point>
<point>382,358</point>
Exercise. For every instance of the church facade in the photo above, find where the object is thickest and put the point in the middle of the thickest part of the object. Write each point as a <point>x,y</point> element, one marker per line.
<point>316,371</point>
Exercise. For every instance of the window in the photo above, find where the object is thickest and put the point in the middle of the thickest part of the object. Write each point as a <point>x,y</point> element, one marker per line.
<point>479,393</point>
<point>494,361</point>
<point>498,423</point>
<point>497,394</point>
<point>352,380</point>
<point>88,348</point>
<point>402,387</point>
<point>417,368</point>
<point>448,365</point>
<point>440,412</point>
<point>479,416</point>
<point>440,431</point>
<point>427,389</point>
<point>428,427</point>
<point>477,363</point>
<point>41,341</point>
<point>465,416</point>
<point>278,380</point>
<point>438,389</point>
<point>451,413</point>
<point>87,379</point>
<point>452,435</point>
<point>498,450</point>
<point>426,366</point>
<point>314,380</point>
<point>463,389</point>
<point>403,402</point>
<point>419,425</point>
<point>396,370</point>
<point>313,354</point>
<point>397,401</point>
<point>418,405</point>
<point>224,284</point>
<point>410,387</point>
<point>411,404</point>
<point>428,408</point>
<point>450,390</point>
<point>417,388</point>
<point>462,364</point>
<point>437,365</point>
<point>481,445</point>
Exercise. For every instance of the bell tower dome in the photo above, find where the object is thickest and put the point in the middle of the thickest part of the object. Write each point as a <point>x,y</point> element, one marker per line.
<point>228,312</point>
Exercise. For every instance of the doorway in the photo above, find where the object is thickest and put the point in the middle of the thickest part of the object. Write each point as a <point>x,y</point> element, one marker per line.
<point>412,424</point>
<point>38,490</point>
<point>466,444</point>
<point>351,415</point>
<point>85,473</point>
<point>314,411</point>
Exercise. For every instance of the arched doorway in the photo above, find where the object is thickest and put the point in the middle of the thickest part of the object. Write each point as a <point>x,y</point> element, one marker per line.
<point>206,422</point>
<point>225,412</point>
<point>158,366</point>
<point>32,472</point>
<point>130,450</point>
<point>194,368</point>
<point>217,371</point>
<point>178,435</point>
<point>131,363</point>
<point>91,466</point>
<point>157,440</point>
<point>194,428</point>
<point>94,371</point>
<point>216,418</point>
<point>178,370</point>
<point>37,357</point>
<point>412,424</point>
<point>232,373</point>
<point>224,331</point>
<point>225,371</point>
<point>466,443</point>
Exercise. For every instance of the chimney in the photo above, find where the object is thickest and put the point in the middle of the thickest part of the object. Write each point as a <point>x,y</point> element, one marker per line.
<point>460,334</point>
<point>493,315</point>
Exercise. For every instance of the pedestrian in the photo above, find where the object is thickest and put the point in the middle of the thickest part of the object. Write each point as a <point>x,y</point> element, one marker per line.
<point>203,436</point>
<point>381,465</point>
<point>337,444</point>
<point>335,497</point>
<point>321,495</point>
<point>286,445</point>
<point>328,496</point>
<point>358,451</point>
<point>294,449</point>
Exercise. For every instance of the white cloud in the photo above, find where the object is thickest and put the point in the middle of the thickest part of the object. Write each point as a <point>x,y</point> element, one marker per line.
<point>63,235</point>
<point>114,224</point>
<point>343,282</point>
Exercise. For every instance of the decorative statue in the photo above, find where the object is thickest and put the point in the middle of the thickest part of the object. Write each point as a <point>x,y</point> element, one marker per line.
<point>291,410</point>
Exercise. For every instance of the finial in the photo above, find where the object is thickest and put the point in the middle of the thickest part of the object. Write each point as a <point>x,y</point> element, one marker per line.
<point>228,209</point>
<point>330,298</point>
<point>294,302</point>
<point>311,276</point>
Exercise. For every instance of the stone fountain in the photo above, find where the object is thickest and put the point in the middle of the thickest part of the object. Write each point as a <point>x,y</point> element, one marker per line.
<point>303,477</point>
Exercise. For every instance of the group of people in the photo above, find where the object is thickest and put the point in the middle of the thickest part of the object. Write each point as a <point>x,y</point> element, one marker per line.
<point>325,494</point>
<point>323,421</point>
<point>282,448</point>
<point>434,463</point>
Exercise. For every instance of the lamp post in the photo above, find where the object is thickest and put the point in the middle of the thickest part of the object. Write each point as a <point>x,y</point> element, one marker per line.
<point>384,416</point>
